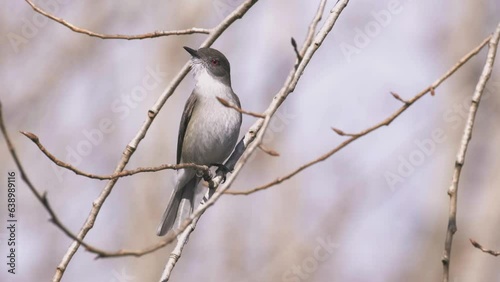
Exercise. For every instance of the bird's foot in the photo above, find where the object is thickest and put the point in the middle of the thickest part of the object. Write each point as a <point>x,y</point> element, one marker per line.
<point>222,170</point>
<point>206,175</point>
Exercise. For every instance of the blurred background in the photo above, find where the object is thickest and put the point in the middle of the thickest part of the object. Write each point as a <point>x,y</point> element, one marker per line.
<point>375,211</point>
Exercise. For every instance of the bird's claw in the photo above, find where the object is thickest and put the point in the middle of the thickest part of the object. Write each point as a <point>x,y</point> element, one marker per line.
<point>222,170</point>
<point>207,175</point>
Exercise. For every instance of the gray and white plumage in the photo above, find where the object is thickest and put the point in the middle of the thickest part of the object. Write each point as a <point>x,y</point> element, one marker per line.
<point>208,130</point>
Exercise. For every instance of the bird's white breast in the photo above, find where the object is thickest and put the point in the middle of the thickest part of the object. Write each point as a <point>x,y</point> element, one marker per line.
<point>213,129</point>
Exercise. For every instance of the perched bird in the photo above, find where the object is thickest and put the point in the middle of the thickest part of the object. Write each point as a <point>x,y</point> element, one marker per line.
<point>208,130</point>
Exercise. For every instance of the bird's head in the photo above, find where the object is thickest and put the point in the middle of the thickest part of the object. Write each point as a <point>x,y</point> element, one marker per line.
<point>211,61</point>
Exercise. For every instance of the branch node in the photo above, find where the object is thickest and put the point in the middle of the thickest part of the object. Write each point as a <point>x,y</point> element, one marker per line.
<point>151,114</point>
<point>130,149</point>
<point>433,91</point>
<point>44,198</point>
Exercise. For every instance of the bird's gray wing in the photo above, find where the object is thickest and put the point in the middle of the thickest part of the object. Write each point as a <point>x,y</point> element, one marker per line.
<point>237,100</point>
<point>186,116</point>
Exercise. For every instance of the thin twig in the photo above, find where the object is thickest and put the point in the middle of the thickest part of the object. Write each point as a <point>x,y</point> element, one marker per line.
<point>123,173</point>
<point>134,143</point>
<point>255,134</point>
<point>118,36</point>
<point>354,137</point>
<point>480,247</point>
<point>268,151</point>
<point>466,137</point>
<point>238,109</point>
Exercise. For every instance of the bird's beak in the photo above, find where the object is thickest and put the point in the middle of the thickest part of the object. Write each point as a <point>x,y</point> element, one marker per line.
<point>193,52</point>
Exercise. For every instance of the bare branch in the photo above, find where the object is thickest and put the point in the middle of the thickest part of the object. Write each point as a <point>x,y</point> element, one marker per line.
<point>134,143</point>
<point>118,36</point>
<point>466,137</point>
<point>354,137</point>
<point>238,109</point>
<point>123,173</point>
<point>480,247</point>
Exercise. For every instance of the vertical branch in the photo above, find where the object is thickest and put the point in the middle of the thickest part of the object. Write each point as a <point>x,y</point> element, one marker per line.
<point>467,135</point>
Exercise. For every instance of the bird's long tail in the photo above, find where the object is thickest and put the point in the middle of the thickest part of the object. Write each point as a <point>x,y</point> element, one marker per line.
<point>179,206</point>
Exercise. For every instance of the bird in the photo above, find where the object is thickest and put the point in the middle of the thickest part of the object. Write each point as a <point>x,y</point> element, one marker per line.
<point>208,130</point>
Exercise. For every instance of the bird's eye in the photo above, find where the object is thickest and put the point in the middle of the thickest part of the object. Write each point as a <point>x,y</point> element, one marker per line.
<point>215,62</point>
